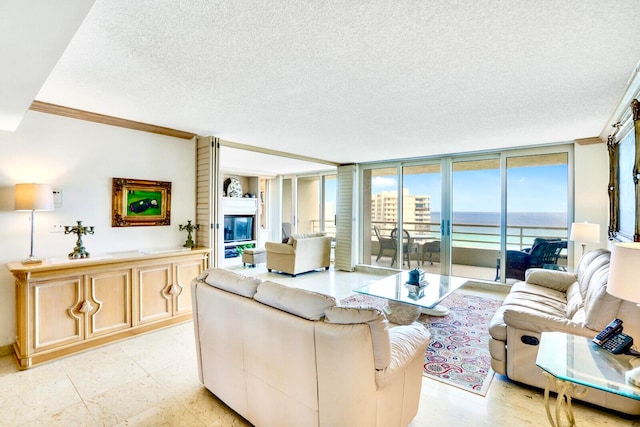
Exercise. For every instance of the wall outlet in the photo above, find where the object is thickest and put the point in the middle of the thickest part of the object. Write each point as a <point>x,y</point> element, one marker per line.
<point>56,228</point>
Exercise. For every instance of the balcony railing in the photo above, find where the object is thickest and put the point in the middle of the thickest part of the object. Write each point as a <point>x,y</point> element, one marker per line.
<point>466,235</point>
<point>478,235</point>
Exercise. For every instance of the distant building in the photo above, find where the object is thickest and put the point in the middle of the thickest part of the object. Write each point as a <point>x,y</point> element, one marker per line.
<point>416,210</point>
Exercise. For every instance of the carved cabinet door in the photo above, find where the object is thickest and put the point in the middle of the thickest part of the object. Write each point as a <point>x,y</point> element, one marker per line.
<point>56,308</point>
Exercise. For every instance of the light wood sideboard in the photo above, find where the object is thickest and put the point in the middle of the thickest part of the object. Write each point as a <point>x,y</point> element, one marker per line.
<point>66,306</point>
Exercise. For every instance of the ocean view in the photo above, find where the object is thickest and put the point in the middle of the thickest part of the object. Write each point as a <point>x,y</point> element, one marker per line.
<point>482,229</point>
<point>527,219</point>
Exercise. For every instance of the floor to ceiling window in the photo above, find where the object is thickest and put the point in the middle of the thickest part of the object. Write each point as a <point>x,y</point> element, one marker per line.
<point>380,215</point>
<point>328,207</point>
<point>288,201</point>
<point>316,196</point>
<point>459,215</point>
<point>421,213</point>
<point>537,206</point>
<point>475,217</point>
<point>308,204</point>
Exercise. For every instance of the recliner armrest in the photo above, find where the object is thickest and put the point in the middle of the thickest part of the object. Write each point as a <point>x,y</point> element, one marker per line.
<point>552,279</point>
<point>407,341</point>
<point>537,322</point>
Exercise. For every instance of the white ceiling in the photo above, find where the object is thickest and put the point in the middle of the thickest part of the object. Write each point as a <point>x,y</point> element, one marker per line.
<point>353,81</point>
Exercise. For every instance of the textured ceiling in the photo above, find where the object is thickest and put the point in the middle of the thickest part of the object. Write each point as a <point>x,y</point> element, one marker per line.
<point>355,81</point>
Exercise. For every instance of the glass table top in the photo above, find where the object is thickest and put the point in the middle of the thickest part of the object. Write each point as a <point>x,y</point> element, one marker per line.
<point>578,360</point>
<point>394,288</point>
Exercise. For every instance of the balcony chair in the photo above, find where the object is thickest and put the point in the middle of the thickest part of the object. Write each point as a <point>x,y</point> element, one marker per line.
<point>430,248</point>
<point>385,244</point>
<point>543,252</point>
<point>408,248</point>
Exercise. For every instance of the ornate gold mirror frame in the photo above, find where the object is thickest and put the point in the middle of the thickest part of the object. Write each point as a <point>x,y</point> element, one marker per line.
<point>620,203</point>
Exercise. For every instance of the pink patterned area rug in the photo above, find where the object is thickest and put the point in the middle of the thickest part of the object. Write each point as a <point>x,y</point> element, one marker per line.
<point>458,354</point>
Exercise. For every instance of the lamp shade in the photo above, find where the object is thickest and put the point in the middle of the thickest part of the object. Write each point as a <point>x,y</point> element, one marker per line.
<point>623,271</point>
<point>585,232</point>
<point>29,197</point>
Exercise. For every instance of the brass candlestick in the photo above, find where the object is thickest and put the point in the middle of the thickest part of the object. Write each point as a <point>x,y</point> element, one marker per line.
<point>190,229</point>
<point>79,251</point>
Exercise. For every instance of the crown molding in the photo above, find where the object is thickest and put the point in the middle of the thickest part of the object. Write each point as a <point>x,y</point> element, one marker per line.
<point>589,141</point>
<point>622,113</point>
<point>59,110</point>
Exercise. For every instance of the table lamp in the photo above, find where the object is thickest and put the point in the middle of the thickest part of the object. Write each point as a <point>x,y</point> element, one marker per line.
<point>33,197</point>
<point>584,232</point>
<point>623,283</point>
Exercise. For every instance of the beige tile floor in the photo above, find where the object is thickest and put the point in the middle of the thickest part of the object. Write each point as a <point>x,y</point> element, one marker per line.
<point>151,380</point>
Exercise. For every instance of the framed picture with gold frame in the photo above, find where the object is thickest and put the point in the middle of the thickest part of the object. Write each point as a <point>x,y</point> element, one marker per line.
<point>624,177</point>
<point>138,202</point>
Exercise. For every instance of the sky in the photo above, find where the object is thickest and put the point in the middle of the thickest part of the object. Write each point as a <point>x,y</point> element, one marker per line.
<point>529,189</point>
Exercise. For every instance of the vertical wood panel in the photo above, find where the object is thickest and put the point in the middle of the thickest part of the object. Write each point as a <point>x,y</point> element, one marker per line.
<point>204,152</point>
<point>345,227</point>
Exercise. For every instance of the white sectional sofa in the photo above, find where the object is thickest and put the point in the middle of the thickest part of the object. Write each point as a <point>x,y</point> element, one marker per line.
<point>549,300</point>
<point>282,356</point>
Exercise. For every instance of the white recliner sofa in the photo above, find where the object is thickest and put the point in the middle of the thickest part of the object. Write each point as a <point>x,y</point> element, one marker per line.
<point>282,356</point>
<point>301,253</point>
<point>550,300</point>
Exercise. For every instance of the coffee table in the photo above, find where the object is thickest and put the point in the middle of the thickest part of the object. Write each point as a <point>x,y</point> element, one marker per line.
<point>574,364</point>
<point>405,305</point>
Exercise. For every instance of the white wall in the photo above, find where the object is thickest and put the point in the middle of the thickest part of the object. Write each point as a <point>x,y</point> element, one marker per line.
<point>80,158</point>
<point>591,196</point>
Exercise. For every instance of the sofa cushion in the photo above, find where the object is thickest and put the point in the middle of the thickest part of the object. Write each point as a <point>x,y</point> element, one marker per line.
<point>527,298</point>
<point>231,282</point>
<point>574,300</point>
<point>306,304</point>
<point>599,306</point>
<point>540,298</point>
<point>588,264</point>
<point>378,324</point>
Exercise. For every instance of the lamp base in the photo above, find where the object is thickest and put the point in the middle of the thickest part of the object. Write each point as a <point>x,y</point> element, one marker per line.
<point>633,376</point>
<point>32,260</point>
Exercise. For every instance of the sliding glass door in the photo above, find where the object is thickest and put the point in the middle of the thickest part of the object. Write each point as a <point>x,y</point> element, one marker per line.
<point>421,214</point>
<point>475,218</point>
<point>315,204</point>
<point>537,207</point>
<point>459,215</point>
<point>308,204</point>
<point>380,216</point>
<point>329,199</point>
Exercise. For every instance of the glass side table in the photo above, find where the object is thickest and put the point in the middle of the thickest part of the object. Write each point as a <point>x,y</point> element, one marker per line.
<point>574,364</point>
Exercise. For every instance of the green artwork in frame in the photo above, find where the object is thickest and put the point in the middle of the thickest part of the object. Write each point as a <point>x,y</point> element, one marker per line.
<point>144,203</point>
<point>138,202</point>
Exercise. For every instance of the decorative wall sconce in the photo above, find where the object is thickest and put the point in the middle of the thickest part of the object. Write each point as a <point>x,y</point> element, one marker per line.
<point>33,197</point>
<point>80,230</point>
<point>190,228</point>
